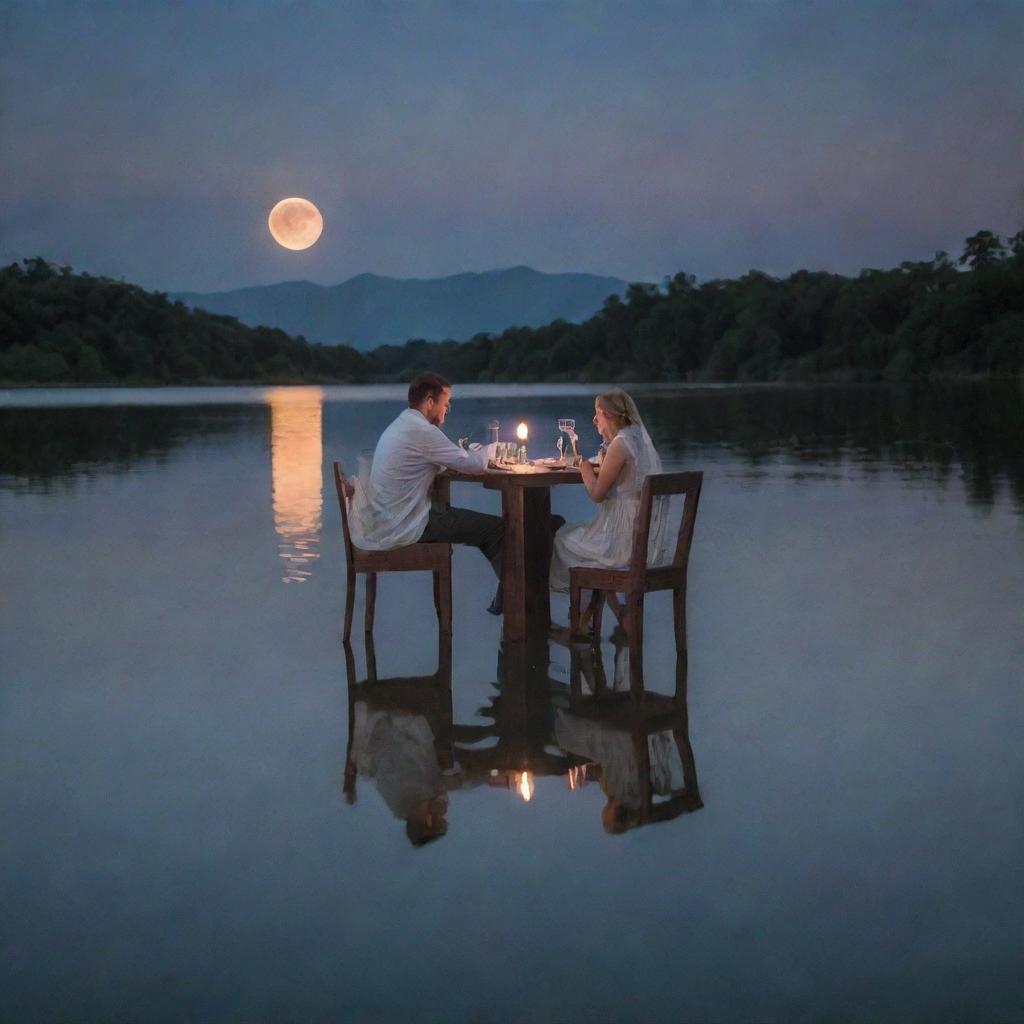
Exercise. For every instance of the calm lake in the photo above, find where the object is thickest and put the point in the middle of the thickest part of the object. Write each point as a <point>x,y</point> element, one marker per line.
<point>178,842</point>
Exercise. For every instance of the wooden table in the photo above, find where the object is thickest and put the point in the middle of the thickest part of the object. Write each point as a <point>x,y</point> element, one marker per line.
<point>526,557</point>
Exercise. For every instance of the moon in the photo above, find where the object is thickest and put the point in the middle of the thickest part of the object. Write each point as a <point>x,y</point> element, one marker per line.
<point>295,223</point>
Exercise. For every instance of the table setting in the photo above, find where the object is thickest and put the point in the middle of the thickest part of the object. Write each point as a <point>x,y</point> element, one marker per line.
<point>512,457</point>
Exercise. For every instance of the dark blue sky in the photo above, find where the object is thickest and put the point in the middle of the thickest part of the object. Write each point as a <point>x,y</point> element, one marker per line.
<point>149,140</point>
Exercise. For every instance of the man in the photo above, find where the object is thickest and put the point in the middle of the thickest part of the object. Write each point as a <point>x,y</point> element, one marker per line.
<point>395,748</point>
<point>396,508</point>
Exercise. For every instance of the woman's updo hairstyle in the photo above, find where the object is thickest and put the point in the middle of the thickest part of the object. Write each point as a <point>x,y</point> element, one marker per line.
<point>619,404</point>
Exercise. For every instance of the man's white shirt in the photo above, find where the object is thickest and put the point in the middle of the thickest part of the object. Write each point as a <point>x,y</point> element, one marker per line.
<point>391,506</point>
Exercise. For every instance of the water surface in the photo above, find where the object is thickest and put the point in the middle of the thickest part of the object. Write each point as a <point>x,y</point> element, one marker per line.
<point>180,838</point>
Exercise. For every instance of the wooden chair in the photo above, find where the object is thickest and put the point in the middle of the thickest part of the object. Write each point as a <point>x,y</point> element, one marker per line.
<point>434,558</point>
<point>638,579</point>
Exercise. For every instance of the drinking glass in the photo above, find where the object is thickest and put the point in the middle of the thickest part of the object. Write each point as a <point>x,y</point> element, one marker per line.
<point>568,427</point>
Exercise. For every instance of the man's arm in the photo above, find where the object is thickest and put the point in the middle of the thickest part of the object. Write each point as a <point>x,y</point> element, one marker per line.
<point>438,449</point>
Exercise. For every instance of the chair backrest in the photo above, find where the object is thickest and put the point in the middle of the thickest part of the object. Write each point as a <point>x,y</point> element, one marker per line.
<point>658,485</point>
<point>344,489</point>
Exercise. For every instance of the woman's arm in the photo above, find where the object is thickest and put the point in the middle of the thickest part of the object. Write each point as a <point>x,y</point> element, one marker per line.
<point>598,485</point>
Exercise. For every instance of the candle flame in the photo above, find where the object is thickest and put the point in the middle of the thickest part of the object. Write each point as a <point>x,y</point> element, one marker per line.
<point>524,783</point>
<point>522,432</point>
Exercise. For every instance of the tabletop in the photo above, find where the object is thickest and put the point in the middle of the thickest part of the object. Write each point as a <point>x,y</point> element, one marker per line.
<point>529,474</point>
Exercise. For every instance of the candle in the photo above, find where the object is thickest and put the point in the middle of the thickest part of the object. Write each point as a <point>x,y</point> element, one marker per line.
<point>521,433</point>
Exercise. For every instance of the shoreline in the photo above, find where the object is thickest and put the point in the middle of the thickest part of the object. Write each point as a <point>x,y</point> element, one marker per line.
<point>331,382</point>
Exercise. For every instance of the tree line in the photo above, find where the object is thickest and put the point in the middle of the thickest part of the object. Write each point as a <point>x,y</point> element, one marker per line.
<point>60,327</point>
<point>937,318</point>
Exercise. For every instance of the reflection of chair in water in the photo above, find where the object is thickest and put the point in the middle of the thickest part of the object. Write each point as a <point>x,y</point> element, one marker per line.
<point>638,579</point>
<point>647,767</point>
<point>403,739</point>
<point>399,736</point>
<point>435,558</point>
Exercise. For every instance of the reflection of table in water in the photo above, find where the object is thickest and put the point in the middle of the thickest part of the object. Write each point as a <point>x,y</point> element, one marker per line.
<point>520,731</point>
<point>532,726</point>
<point>526,559</point>
<point>638,749</point>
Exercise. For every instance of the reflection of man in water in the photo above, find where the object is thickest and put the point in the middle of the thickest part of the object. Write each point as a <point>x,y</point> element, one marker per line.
<point>396,750</point>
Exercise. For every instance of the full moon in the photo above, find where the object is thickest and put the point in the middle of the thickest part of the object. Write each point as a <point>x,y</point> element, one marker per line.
<point>295,223</point>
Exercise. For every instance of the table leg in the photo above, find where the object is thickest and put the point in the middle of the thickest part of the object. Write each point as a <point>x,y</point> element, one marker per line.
<point>526,561</point>
<point>513,567</point>
<point>537,533</point>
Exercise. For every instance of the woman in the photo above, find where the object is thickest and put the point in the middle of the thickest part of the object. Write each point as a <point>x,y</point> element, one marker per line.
<point>606,541</point>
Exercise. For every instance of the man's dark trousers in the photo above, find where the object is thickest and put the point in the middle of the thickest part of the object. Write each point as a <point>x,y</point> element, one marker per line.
<point>464,526</point>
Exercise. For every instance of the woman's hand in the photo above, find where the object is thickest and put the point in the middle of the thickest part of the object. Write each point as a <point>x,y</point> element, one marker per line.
<point>598,485</point>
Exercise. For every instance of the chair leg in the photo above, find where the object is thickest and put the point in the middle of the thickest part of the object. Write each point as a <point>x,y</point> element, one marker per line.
<point>574,611</point>
<point>634,622</point>
<point>350,603</point>
<point>444,601</point>
<point>437,593</point>
<point>679,617</point>
<point>585,613</point>
<point>575,674</point>
<point>371,601</point>
<point>682,677</point>
<point>597,608</point>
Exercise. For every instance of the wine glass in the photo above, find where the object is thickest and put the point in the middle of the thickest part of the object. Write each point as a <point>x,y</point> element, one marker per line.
<point>568,427</point>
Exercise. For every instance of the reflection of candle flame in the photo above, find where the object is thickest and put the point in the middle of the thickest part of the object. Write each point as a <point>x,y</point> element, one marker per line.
<point>524,783</point>
<point>296,454</point>
<point>577,776</point>
<point>521,432</point>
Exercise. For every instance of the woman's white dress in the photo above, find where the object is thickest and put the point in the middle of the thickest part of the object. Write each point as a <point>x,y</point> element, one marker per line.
<point>606,541</point>
<point>615,751</point>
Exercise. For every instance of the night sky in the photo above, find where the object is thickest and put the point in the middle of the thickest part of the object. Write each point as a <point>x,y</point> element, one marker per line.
<point>149,140</point>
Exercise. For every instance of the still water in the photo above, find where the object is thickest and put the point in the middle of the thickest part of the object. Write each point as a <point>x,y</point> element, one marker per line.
<point>181,841</point>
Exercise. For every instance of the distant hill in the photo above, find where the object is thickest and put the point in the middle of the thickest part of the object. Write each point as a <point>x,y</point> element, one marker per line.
<point>368,310</point>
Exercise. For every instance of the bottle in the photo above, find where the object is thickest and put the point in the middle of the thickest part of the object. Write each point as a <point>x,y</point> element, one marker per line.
<point>492,431</point>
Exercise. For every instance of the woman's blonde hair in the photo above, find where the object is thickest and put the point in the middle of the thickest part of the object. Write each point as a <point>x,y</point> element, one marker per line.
<point>619,404</point>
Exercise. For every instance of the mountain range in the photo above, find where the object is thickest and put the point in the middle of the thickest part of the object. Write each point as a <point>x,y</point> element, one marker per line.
<point>369,310</point>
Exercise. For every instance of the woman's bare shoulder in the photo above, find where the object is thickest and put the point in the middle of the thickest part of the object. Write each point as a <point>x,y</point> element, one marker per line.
<point>623,442</point>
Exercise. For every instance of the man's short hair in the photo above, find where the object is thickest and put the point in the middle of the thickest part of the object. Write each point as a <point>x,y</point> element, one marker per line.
<point>425,385</point>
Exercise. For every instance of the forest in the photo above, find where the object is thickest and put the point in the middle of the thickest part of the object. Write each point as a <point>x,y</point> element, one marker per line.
<point>939,318</point>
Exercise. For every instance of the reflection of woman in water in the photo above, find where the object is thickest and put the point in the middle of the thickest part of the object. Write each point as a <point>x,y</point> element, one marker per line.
<point>396,750</point>
<point>615,750</point>
<point>606,541</point>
